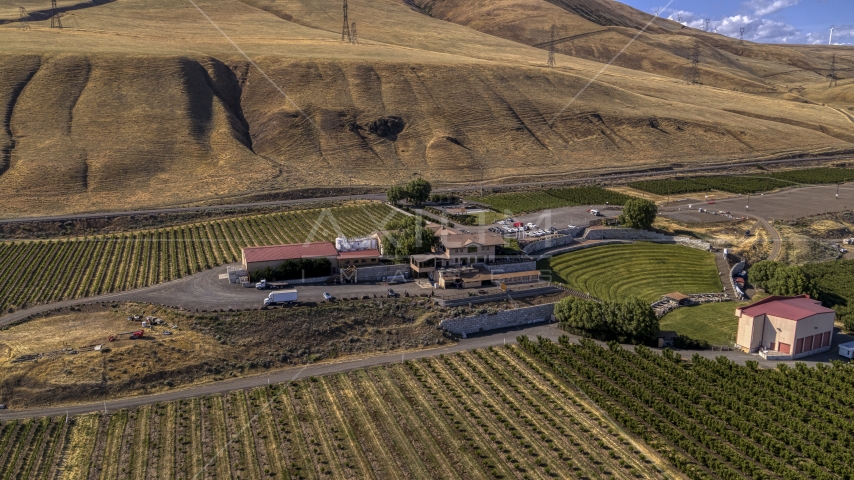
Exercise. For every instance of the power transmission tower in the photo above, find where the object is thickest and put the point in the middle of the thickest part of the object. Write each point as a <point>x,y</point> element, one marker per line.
<point>707,22</point>
<point>24,18</point>
<point>354,36</point>
<point>692,76</point>
<point>55,21</point>
<point>832,77</point>
<point>679,18</point>
<point>741,35</point>
<point>552,46</point>
<point>345,32</point>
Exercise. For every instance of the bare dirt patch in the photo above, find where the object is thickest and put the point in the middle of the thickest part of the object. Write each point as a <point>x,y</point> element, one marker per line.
<point>204,347</point>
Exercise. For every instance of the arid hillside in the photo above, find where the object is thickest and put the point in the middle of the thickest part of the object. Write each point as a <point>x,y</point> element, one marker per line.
<point>145,103</point>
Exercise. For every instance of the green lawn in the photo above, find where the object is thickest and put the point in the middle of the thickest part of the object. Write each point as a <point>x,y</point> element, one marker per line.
<point>715,323</point>
<point>644,270</point>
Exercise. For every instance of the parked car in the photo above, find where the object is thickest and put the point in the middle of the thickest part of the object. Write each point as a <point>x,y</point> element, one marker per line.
<point>2,406</point>
<point>392,294</point>
<point>327,296</point>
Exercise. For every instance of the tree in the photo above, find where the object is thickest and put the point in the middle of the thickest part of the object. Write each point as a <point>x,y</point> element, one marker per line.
<point>418,191</point>
<point>638,213</point>
<point>408,237</point>
<point>762,272</point>
<point>395,194</point>
<point>632,320</point>
<point>790,281</point>
<point>845,314</point>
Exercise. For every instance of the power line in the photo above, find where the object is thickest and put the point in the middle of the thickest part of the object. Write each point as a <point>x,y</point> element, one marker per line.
<point>24,18</point>
<point>55,20</point>
<point>552,47</point>
<point>346,34</point>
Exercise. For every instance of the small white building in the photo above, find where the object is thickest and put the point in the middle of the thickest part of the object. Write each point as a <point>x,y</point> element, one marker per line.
<point>846,350</point>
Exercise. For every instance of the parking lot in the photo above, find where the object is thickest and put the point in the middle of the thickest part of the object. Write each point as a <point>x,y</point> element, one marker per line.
<point>784,205</point>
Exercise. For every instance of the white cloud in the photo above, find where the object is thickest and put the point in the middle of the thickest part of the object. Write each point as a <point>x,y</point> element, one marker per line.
<point>764,30</point>
<point>767,7</point>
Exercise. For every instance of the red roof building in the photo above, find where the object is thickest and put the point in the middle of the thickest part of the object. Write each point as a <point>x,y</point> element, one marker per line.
<point>258,258</point>
<point>785,327</point>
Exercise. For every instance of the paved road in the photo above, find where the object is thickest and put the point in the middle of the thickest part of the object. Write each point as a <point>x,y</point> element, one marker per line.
<point>381,196</point>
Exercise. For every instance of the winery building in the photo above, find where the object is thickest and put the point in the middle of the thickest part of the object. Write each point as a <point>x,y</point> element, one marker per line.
<point>785,327</point>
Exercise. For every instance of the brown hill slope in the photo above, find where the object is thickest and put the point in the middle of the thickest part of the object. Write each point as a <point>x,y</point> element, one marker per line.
<point>599,29</point>
<point>144,103</point>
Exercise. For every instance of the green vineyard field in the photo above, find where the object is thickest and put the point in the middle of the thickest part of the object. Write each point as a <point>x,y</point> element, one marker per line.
<point>718,419</point>
<point>746,184</point>
<point>48,271</point>
<point>541,409</point>
<point>523,202</point>
<point>494,413</point>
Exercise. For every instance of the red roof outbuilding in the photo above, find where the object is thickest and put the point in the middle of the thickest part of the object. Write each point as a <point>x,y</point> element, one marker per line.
<point>289,252</point>
<point>791,308</point>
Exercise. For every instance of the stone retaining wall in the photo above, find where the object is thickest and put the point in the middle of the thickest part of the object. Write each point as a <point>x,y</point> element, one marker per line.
<point>503,319</point>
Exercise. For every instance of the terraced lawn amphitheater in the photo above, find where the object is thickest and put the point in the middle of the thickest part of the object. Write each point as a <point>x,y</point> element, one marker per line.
<point>495,413</point>
<point>644,270</point>
<point>47,271</point>
<point>523,202</point>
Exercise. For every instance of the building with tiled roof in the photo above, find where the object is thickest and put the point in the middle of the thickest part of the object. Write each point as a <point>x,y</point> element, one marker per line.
<point>785,327</point>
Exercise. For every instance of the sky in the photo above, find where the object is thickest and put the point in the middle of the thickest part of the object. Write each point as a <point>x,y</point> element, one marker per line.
<point>767,21</point>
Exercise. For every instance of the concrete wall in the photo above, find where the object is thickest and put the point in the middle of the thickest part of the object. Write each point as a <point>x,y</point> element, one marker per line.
<point>512,267</point>
<point>548,243</point>
<point>377,273</point>
<point>503,319</point>
<point>625,234</point>
<point>737,268</point>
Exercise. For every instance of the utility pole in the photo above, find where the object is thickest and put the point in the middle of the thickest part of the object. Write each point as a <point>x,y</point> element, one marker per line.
<point>345,32</point>
<point>552,47</point>
<point>692,75</point>
<point>55,21</point>
<point>23,18</point>
<point>354,37</point>
<point>832,75</point>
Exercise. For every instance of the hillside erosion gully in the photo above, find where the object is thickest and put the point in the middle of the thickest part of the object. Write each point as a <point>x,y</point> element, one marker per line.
<point>461,188</point>
<point>476,341</point>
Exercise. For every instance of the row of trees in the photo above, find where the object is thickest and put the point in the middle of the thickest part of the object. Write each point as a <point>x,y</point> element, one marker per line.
<point>294,269</point>
<point>408,236</point>
<point>780,279</point>
<point>633,320</point>
<point>416,192</point>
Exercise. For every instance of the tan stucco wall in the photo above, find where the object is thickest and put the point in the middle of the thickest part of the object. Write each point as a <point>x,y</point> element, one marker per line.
<point>765,330</point>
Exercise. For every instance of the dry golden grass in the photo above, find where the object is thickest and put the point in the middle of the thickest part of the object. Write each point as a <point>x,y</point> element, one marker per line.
<point>142,103</point>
